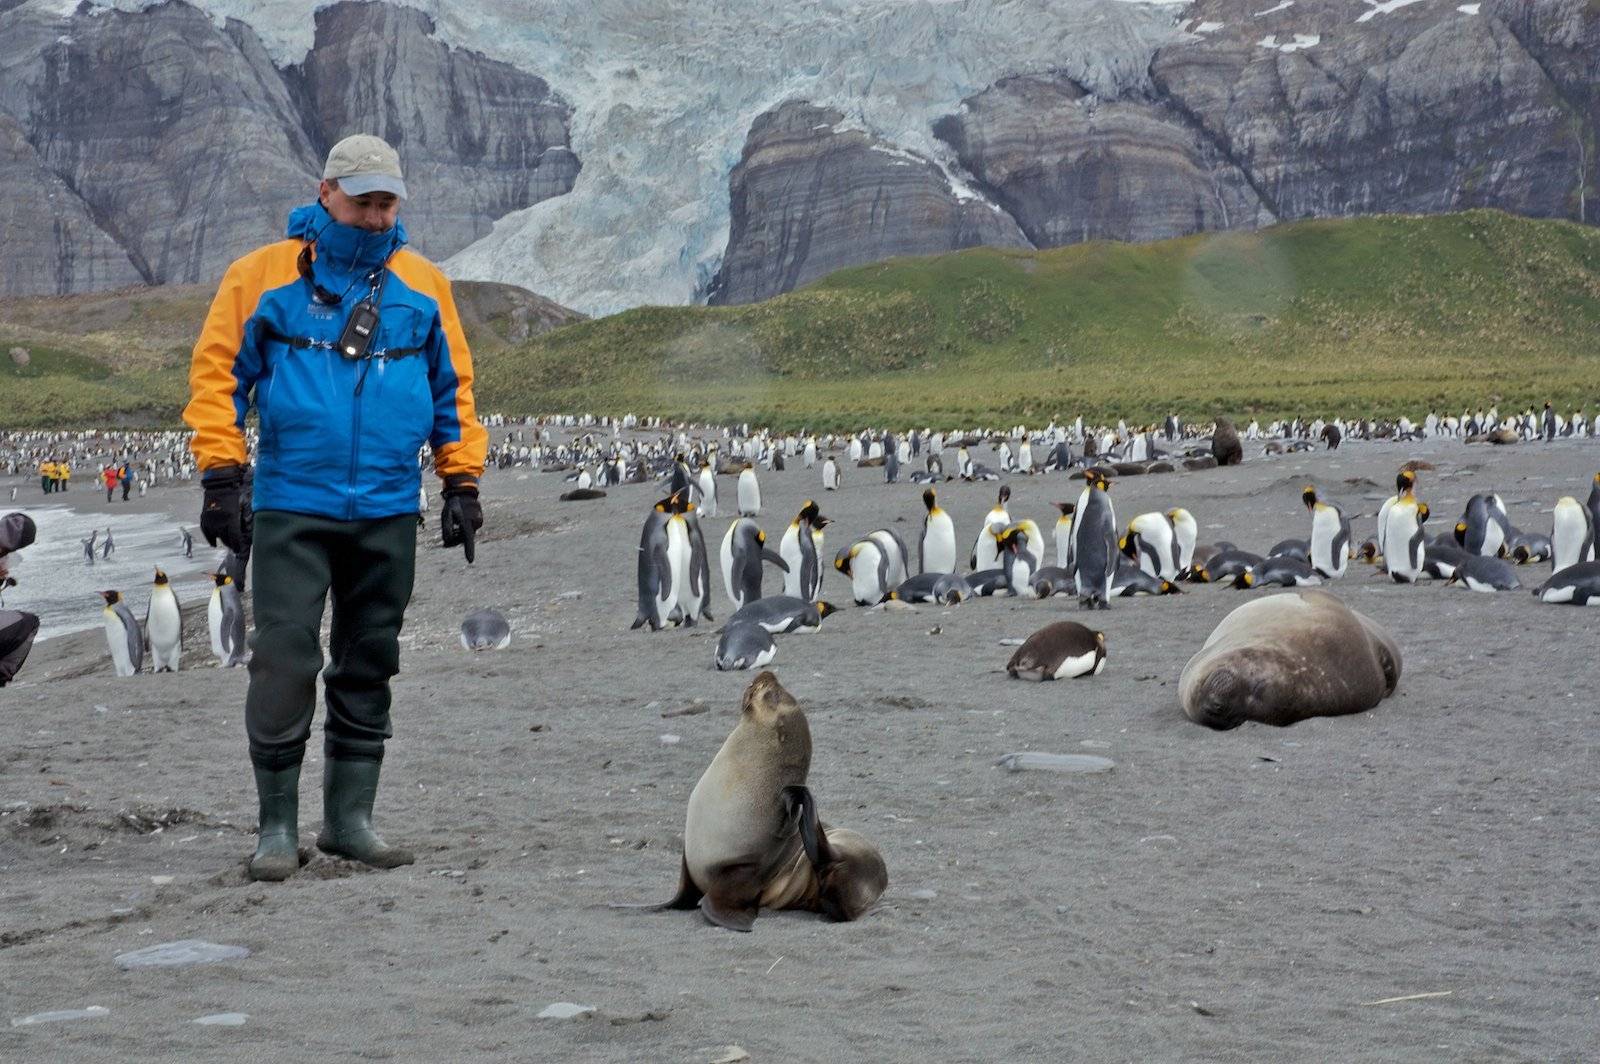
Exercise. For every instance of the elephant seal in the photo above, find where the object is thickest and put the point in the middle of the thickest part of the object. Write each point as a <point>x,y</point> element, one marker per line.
<point>752,840</point>
<point>1284,658</point>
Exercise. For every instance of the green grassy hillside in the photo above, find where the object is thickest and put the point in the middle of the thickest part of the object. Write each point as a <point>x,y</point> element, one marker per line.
<point>1369,316</point>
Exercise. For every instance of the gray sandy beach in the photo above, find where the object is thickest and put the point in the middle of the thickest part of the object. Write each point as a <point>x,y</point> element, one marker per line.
<point>1256,895</point>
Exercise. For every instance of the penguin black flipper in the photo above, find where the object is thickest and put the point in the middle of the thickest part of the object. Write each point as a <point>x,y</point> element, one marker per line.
<point>767,554</point>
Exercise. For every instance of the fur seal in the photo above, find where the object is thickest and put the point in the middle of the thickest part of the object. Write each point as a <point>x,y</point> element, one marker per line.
<point>1225,445</point>
<point>752,840</point>
<point>1284,658</point>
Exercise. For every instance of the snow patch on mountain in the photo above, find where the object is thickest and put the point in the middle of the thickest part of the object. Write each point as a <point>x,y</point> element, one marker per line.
<point>664,93</point>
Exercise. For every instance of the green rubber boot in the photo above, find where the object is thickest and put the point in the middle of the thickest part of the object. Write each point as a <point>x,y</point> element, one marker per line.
<point>277,855</point>
<point>348,791</point>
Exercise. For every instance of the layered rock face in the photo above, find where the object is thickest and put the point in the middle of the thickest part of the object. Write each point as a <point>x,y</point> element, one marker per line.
<point>1260,112</point>
<point>810,195</point>
<point>1071,167</point>
<point>157,147</point>
<point>490,139</point>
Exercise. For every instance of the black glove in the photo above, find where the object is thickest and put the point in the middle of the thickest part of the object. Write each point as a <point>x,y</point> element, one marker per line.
<point>225,515</point>
<point>462,515</point>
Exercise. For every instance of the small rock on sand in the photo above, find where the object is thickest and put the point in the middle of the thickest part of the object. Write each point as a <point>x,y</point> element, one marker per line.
<point>179,955</point>
<point>223,1019</point>
<point>1056,762</point>
<point>93,1012</point>
<point>564,1010</point>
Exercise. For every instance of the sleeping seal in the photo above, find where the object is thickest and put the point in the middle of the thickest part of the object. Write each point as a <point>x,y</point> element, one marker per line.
<point>1284,658</point>
<point>485,630</point>
<point>752,840</point>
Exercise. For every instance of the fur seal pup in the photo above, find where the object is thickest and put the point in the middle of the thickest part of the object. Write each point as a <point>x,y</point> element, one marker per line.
<point>1287,657</point>
<point>752,839</point>
<point>485,630</point>
<point>1059,651</point>
<point>1225,445</point>
<point>582,495</point>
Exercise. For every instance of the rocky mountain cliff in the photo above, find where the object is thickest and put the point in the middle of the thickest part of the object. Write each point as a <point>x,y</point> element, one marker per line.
<point>1256,113</point>
<point>734,149</point>
<point>156,146</point>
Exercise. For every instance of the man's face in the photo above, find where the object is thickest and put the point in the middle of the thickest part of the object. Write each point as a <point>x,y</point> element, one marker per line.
<point>374,212</point>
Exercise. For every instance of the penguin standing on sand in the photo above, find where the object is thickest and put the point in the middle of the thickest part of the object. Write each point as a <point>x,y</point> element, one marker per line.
<point>749,492</point>
<point>985,551</point>
<point>1405,547</point>
<point>1330,535</point>
<point>696,597</point>
<point>744,548</point>
<point>1016,560</point>
<point>708,490</point>
<point>88,545</point>
<point>1064,535</point>
<point>660,581</point>
<point>937,548</point>
<point>1094,543</point>
<point>123,636</point>
<point>1405,487</point>
<point>1185,531</point>
<point>107,546</point>
<point>188,539</point>
<point>830,474</point>
<point>163,623</point>
<point>225,619</point>
<point>1571,534</point>
<point>800,551</point>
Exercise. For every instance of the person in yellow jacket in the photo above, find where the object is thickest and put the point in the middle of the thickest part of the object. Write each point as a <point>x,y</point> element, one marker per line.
<point>349,346</point>
<point>47,476</point>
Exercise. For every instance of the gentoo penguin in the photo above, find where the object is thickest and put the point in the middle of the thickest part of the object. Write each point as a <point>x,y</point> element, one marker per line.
<point>696,591</point>
<point>985,552</point>
<point>1405,547</point>
<point>782,613</point>
<point>830,474</point>
<point>1094,543</point>
<point>107,546</point>
<point>801,552</point>
<point>749,492</point>
<point>1330,535</point>
<point>1483,527</point>
<point>1477,573</point>
<point>226,620</point>
<point>1152,543</point>
<point>891,461</point>
<point>1576,585</point>
<point>936,551</point>
<point>88,545</point>
<point>1405,486</point>
<point>123,636</point>
<point>1571,535</point>
<point>707,487</point>
<point>1064,535</point>
<point>163,623</point>
<point>660,580</point>
<point>745,645</point>
<point>1059,651</point>
<point>744,548</point>
<point>188,538</point>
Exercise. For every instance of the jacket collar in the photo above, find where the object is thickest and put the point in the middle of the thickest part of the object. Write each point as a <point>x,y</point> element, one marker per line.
<point>343,252</point>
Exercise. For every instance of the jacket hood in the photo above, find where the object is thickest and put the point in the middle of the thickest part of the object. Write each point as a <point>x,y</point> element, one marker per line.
<point>343,252</point>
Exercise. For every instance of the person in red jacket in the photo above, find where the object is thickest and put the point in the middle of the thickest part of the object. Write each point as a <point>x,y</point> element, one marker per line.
<point>349,346</point>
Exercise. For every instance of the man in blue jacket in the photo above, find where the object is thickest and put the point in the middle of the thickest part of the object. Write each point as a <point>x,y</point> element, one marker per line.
<point>349,347</point>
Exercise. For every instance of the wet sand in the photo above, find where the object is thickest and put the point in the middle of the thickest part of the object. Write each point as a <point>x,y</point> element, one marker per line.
<point>1242,895</point>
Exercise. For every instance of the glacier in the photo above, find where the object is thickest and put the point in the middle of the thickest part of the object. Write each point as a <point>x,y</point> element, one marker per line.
<point>664,92</point>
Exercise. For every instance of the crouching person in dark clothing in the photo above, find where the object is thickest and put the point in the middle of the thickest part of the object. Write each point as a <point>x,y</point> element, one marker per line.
<point>17,627</point>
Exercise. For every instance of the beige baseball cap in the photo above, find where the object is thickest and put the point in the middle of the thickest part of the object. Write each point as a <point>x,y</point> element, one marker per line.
<point>363,163</point>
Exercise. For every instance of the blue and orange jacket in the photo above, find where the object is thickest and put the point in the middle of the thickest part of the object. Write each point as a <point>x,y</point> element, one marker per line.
<point>339,437</point>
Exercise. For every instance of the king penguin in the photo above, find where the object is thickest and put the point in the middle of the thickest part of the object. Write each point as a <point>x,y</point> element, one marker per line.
<point>1571,534</point>
<point>123,636</point>
<point>1330,535</point>
<point>1094,543</point>
<point>985,549</point>
<point>660,579</point>
<point>1064,535</point>
<point>830,474</point>
<point>708,490</point>
<point>225,617</point>
<point>696,594</point>
<point>800,550</point>
<point>163,623</point>
<point>1406,548</point>
<point>749,492</point>
<point>937,548</point>
<point>1405,487</point>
